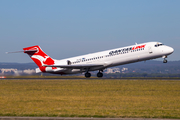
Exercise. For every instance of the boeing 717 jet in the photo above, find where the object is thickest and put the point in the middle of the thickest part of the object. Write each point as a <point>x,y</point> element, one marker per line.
<point>98,61</point>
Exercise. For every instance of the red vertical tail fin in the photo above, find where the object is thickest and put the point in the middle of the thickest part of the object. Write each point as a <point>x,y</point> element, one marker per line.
<point>39,56</point>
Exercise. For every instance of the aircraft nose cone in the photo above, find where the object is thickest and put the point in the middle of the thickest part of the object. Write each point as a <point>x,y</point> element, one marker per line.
<point>167,50</point>
<point>171,50</point>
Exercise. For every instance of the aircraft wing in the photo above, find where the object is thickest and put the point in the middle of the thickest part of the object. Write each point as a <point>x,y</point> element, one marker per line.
<point>75,66</point>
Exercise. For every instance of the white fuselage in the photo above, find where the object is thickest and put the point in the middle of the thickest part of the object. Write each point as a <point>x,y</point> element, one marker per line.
<point>114,57</point>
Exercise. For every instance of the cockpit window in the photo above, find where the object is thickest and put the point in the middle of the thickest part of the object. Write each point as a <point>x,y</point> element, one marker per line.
<point>157,45</point>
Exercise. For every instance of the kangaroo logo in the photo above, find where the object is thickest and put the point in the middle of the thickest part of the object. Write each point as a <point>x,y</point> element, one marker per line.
<point>39,57</point>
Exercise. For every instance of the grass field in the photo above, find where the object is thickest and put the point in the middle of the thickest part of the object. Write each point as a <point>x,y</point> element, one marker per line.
<point>90,98</point>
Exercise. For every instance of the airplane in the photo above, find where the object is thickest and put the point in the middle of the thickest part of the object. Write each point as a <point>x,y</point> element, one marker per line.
<point>99,60</point>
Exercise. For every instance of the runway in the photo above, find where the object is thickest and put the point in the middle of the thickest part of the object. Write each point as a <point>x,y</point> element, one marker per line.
<point>91,78</point>
<point>76,118</point>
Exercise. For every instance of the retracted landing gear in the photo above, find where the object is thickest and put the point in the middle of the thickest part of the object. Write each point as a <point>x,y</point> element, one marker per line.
<point>100,74</point>
<point>87,75</point>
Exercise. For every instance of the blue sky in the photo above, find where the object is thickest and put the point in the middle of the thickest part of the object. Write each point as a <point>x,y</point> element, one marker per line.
<point>67,28</point>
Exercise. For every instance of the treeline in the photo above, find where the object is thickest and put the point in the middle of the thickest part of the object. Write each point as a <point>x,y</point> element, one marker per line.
<point>19,66</point>
<point>145,75</point>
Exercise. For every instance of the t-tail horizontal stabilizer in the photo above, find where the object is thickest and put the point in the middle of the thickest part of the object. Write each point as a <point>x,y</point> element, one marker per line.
<point>25,51</point>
